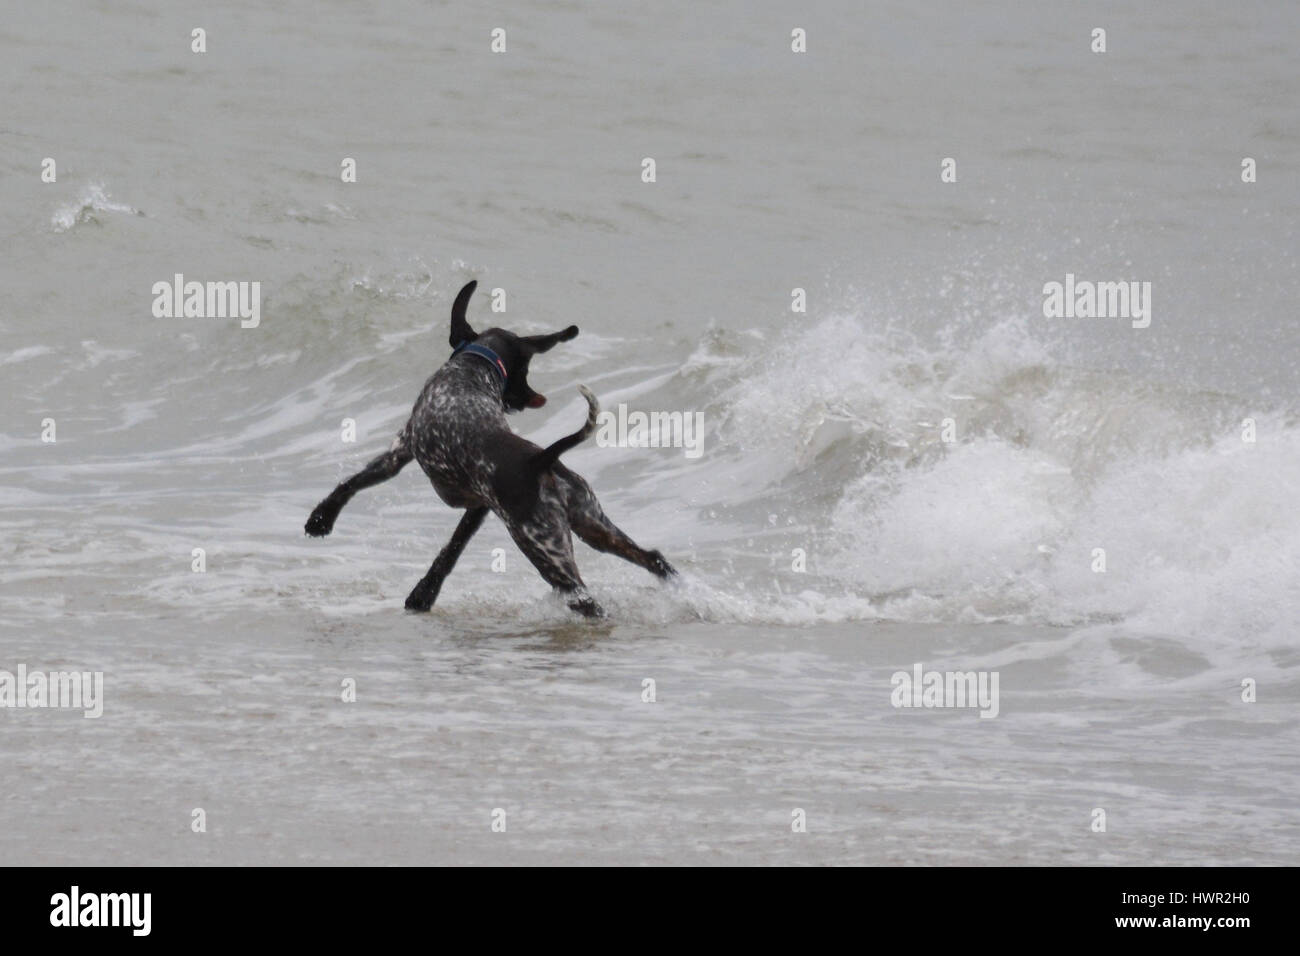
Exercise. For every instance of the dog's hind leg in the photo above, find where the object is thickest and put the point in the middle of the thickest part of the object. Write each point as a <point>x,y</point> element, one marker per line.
<point>548,546</point>
<point>603,535</point>
<point>380,469</point>
<point>590,524</point>
<point>426,592</point>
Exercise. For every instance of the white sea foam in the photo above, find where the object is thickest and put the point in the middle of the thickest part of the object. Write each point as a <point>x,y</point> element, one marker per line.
<point>93,200</point>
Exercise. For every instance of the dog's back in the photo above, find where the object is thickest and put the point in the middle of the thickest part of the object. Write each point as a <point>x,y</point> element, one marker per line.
<point>457,430</point>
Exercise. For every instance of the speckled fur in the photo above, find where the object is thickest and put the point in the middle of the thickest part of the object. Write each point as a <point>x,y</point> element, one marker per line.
<point>459,434</point>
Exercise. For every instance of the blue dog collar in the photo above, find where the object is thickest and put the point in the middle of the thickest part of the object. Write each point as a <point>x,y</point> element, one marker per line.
<point>488,355</point>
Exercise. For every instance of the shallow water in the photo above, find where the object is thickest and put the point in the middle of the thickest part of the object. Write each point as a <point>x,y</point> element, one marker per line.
<point>823,433</point>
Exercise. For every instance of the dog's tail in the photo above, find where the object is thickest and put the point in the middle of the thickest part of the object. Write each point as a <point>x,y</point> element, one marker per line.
<point>551,454</point>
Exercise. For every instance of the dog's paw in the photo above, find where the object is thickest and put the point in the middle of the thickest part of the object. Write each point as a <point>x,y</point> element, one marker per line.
<point>660,566</point>
<point>416,601</point>
<point>321,522</point>
<point>422,597</point>
<point>587,607</point>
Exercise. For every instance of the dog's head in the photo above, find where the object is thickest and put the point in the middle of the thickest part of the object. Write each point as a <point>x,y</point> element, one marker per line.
<point>515,351</point>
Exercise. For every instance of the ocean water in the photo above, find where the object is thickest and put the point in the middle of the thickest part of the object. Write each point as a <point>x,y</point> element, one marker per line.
<point>824,432</point>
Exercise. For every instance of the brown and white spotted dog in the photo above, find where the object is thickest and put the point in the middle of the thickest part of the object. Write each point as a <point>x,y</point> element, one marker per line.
<point>459,434</point>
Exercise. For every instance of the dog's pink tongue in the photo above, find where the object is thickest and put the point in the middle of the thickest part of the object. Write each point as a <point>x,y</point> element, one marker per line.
<point>537,401</point>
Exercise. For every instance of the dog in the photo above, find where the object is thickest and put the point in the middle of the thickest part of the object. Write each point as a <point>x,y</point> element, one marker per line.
<point>459,434</point>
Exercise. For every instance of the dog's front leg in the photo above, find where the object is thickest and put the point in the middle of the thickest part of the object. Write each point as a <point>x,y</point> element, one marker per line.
<point>379,469</point>
<point>424,594</point>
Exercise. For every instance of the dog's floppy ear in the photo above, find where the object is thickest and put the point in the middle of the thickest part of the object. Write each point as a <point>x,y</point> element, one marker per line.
<point>544,343</point>
<point>460,330</point>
